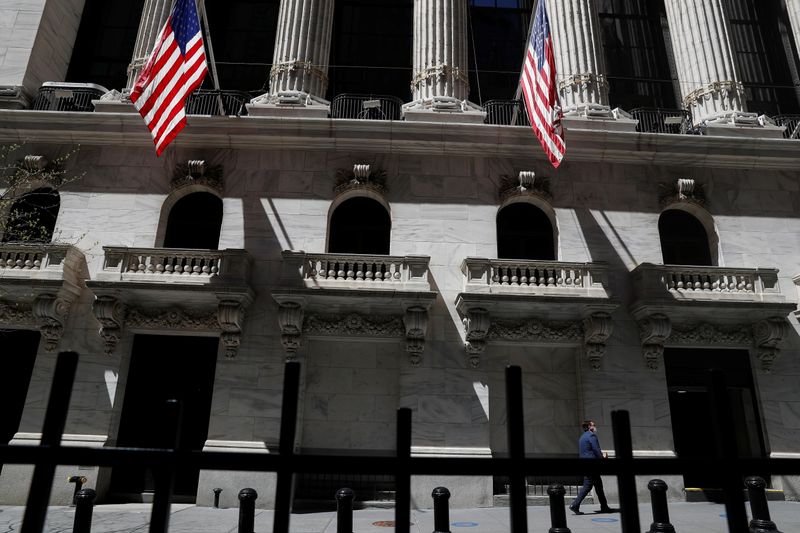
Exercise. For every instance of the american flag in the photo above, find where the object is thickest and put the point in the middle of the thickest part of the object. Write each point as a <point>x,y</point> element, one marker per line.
<point>539,88</point>
<point>175,69</point>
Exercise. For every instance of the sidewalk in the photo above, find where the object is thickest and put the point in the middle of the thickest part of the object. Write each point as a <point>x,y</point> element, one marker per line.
<point>686,517</point>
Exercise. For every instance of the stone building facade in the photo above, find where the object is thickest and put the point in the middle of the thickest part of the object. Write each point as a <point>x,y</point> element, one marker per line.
<point>406,262</point>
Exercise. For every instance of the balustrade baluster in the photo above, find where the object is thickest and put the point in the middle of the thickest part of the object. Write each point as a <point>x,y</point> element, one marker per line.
<point>350,271</point>
<point>524,276</point>
<point>513,278</point>
<point>360,267</point>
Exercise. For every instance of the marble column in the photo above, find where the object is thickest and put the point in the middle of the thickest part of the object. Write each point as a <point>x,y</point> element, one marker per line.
<point>580,65</point>
<point>440,82</point>
<point>154,15</point>
<point>793,8</point>
<point>710,86</point>
<point>299,75</point>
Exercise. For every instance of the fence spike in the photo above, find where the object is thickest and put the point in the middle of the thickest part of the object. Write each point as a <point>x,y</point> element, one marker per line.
<point>283,483</point>
<point>518,499</point>
<point>626,481</point>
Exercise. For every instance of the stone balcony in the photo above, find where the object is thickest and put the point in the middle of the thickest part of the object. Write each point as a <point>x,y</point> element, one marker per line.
<point>709,306</point>
<point>350,295</point>
<point>162,289</point>
<point>38,285</point>
<point>538,302</point>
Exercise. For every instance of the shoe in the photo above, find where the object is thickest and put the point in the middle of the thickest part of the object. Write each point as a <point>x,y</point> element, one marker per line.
<point>575,510</point>
<point>606,510</point>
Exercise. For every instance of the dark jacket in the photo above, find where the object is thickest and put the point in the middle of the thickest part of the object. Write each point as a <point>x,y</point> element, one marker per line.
<point>589,446</point>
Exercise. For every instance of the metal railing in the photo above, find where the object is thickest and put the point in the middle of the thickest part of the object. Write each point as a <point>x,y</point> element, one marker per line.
<point>506,113</point>
<point>58,96</point>
<point>207,102</point>
<point>658,120</point>
<point>726,466</point>
<point>366,106</point>
<point>792,123</point>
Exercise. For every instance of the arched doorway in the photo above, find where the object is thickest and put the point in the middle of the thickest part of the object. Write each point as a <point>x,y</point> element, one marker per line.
<point>684,240</point>
<point>360,225</point>
<point>195,222</point>
<point>525,232</point>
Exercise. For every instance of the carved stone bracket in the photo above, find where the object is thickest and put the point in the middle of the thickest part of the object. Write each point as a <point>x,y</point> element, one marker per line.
<point>110,312</point>
<point>416,323</point>
<point>197,171</point>
<point>526,183</point>
<point>290,322</point>
<point>230,315</point>
<point>362,176</point>
<point>51,312</point>
<point>767,335</point>
<point>597,328</point>
<point>654,331</point>
<point>476,327</point>
<point>683,190</point>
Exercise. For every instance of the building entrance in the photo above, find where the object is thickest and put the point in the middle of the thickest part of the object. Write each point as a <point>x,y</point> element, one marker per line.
<point>163,368</point>
<point>16,367</point>
<point>693,419</point>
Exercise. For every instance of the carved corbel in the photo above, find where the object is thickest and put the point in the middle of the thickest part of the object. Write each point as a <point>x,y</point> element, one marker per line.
<point>654,331</point>
<point>290,321</point>
<point>597,329</point>
<point>230,315</point>
<point>110,312</point>
<point>51,313</point>
<point>415,320</point>
<point>476,327</point>
<point>767,334</point>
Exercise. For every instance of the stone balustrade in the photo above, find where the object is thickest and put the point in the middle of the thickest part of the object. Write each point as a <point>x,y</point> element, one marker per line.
<point>40,261</point>
<point>173,265</point>
<point>403,273</point>
<point>507,276</point>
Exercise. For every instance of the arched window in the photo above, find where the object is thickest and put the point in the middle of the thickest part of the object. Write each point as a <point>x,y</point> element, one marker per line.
<point>360,225</point>
<point>32,218</point>
<point>524,232</point>
<point>684,240</point>
<point>195,222</point>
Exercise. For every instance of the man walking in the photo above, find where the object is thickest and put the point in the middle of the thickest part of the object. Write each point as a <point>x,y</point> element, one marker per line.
<point>589,448</point>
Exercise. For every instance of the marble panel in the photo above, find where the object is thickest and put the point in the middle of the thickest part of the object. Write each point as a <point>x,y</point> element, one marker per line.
<point>445,409</point>
<point>641,412</point>
<point>551,440</point>
<point>648,438</point>
<point>350,407</point>
<point>224,427</point>
<point>252,402</point>
<point>374,381</point>
<point>329,380</point>
<point>220,400</point>
<point>267,430</point>
<point>790,414</point>
<point>565,413</point>
<point>539,412</point>
<point>373,436</point>
<point>547,386</point>
<point>327,435</point>
<point>232,374</point>
<point>427,433</point>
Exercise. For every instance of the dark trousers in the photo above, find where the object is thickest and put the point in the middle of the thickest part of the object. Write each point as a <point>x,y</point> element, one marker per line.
<point>588,483</point>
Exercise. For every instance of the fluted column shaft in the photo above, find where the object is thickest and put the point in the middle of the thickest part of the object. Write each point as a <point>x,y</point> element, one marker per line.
<point>154,15</point>
<point>302,48</point>
<point>575,29</point>
<point>440,50</point>
<point>793,7</point>
<point>710,86</point>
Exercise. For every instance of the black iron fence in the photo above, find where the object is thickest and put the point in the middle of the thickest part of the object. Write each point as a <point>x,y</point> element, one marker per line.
<point>727,467</point>
<point>217,102</point>
<point>67,97</point>
<point>792,123</point>
<point>366,106</point>
<point>658,120</point>
<point>506,113</point>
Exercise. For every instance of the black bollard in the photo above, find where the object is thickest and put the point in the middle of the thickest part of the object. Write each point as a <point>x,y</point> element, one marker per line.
<point>658,498</point>
<point>761,522</point>
<point>558,515</point>
<point>84,503</point>
<point>217,492</point>
<point>79,482</point>
<point>441,510</point>
<point>247,510</point>
<point>344,510</point>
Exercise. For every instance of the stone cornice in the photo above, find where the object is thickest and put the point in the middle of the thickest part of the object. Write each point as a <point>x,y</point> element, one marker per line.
<point>587,144</point>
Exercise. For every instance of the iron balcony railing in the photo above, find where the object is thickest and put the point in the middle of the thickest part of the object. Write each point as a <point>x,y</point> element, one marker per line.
<point>792,123</point>
<point>658,120</point>
<point>207,102</point>
<point>62,96</point>
<point>366,106</point>
<point>506,113</point>
<point>726,465</point>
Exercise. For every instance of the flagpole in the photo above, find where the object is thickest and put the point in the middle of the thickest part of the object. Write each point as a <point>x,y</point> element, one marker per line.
<point>527,42</point>
<point>215,77</point>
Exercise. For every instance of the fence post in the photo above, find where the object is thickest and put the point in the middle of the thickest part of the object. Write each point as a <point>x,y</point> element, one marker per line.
<point>441,510</point>
<point>658,499</point>
<point>79,481</point>
<point>217,492</point>
<point>84,502</point>
<point>344,510</point>
<point>761,522</point>
<point>558,515</point>
<point>247,510</point>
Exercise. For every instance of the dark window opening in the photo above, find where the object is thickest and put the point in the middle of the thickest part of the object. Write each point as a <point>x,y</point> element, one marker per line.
<point>636,55</point>
<point>195,221</point>
<point>360,226</point>
<point>684,240</point>
<point>693,419</point>
<point>32,218</point>
<point>104,45</point>
<point>371,48</point>
<point>243,37</point>
<point>164,368</point>
<point>765,58</point>
<point>497,35</point>
<point>524,232</point>
<point>19,349</point>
